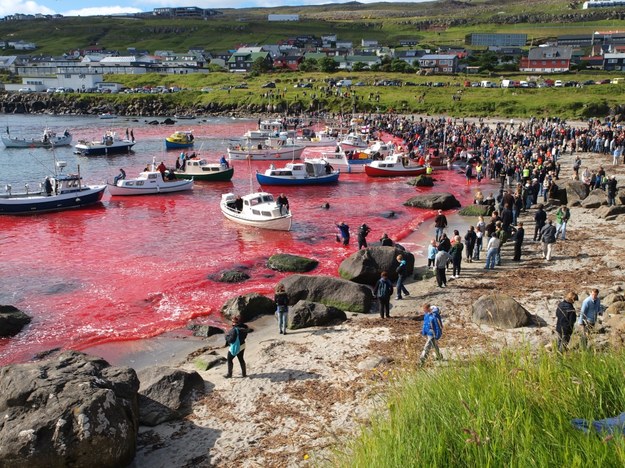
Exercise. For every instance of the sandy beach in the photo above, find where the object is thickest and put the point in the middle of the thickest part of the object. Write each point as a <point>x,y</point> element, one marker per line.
<point>309,391</point>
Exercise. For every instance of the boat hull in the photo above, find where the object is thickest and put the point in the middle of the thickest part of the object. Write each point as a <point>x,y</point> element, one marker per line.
<point>269,154</point>
<point>21,143</point>
<point>275,224</point>
<point>177,145</point>
<point>289,180</point>
<point>40,203</point>
<point>95,150</point>
<point>394,172</point>
<point>166,187</point>
<point>219,176</point>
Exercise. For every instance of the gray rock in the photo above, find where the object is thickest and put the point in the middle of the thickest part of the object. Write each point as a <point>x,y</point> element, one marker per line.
<point>620,196</point>
<point>575,190</point>
<point>476,210</point>
<point>595,199</point>
<point>374,362</point>
<point>610,212</point>
<point>166,394</point>
<point>422,181</point>
<point>616,308</point>
<point>12,320</point>
<point>233,276</point>
<point>366,265</point>
<point>307,314</point>
<point>204,331</point>
<point>612,298</point>
<point>335,292</point>
<point>291,263</point>
<point>499,310</point>
<point>68,410</point>
<point>248,306</point>
<point>208,360</point>
<point>434,201</point>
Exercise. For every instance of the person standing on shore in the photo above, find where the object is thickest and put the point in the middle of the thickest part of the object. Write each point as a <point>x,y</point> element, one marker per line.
<point>235,340</point>
<point>432,249</point>
<point>518,242</point>
<point>539,218</point>
<point>565,320</point>
<point>492,249</point>
<point>588,316</point>
<point>282,308</point>
<point>383,290</point>
<point>456,256</point>
<point>469,242</point>
<point>611,190</point>
<point>562,218</point>
<point>548,238</point>
<point>432,330</point>
<point>440,265</point>
<point>440,223</point>
<point>401,276</point>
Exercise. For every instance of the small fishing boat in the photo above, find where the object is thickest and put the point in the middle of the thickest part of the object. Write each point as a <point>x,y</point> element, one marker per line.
<point>258,209</point>
<point>353,142</point>
<point>321,138</point>
<point>267,129</point>
<point>55,193</point>
<point>309,172</point>
<point>148,182</point>
<point>179,140</point>
<point>48,139</point>
<point>110,143</point>
<point>265,152</point>
<point>200,169</point>
<point>379,150</point>
<point>108,115</point>
<point>393,166</point>
<point>351,162</point>
<point>185,116</point>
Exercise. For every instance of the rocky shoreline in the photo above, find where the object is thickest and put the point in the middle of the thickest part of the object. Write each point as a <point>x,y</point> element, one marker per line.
<point>309,391</point>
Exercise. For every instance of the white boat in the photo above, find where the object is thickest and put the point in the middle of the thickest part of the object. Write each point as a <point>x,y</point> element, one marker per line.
<point>200,169</point>
<point>379,150</point>
<point>110,143</point>
<point>267,129</point>
<point>149,182</point>
<point>321,138</point>
<point>309,172</point>
<point>346,163</point>
<point>353,142</point>
<point>257,209</point>
<point>108,115</point>
<point>48,139</point>
<point>265,152</point>
<point>56,193</point>
<point>396,164</point>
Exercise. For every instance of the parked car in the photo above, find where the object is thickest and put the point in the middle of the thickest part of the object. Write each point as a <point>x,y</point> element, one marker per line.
<point>558,84</point>
<point>25,90</point>
<point>271,84</point>
<point>360,83</point>
<point>50,90</point>
<point>303,85</point>
<point>206,89</point>
<point>241,86</point>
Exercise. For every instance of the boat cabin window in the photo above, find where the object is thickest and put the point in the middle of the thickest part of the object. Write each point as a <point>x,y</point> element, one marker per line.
<point>129,183</point>
<point>266,213</point>
<point>140,182</point>
<point>193,163</point>
<point>255,201</point>
<point>268,198</point>
<point>282,173</point>
<point>151,176</point>
<point>256,212</point>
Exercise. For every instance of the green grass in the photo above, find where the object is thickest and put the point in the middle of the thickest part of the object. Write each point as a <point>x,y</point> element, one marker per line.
<point>512,410</point>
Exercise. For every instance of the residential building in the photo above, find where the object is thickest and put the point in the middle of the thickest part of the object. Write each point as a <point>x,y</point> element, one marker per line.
<point>408,42</point>
<point>496,39</point>
<point>411,57</point>
<point>551,59</point>
<point>282,17</point>
<point>614,62</point>
<point>347,62</point>
<point>241,61</point>
<point>290,62</point>
<point>368,43</point>
<point>436,63</point>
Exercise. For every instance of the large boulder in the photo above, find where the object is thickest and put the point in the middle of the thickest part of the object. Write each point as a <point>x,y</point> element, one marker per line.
<point>595,199</point>
<point>342,294</point>
<point>68,410</point>
<point>166,394</point>
<point>12,320</point>
<point>434,201</point>
<point>365,265</point>
<point>620,196</point>
<point>610,213</point>
<point>422,181</point>
<point>616,308</point>
<point>499,310</point>
<point>476,210</point>
<point>233,276</point>
<point>292,263</point>
<point>248,306</point>
<point>576,190</point>
<point>306,314</point>
<point>615,327</point>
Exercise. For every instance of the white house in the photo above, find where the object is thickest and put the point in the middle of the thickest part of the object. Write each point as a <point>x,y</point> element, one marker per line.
<point>282,17</point>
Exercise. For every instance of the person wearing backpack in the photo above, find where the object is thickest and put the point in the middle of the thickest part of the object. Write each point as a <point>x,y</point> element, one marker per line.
<point>235,340</point>
<point>383,290</point>
<point>432,330</point>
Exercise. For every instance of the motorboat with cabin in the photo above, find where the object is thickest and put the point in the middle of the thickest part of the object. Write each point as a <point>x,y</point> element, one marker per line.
<point>309,172</point>
<point>201,169</point>
<point>258,209</point>
<point>55,193</point>
<point>180,139</point>
<point>353,142</point>
<point>397,164</point>
<point>346,162</point>
<point>267,129</point>
<point>150,182</point>
<point>283,150</point>
<point>111,143</point>
<point>48,139</point>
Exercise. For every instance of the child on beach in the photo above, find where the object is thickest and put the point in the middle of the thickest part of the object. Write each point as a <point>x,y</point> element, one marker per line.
<point>432,330</point>
<point>432,249</point>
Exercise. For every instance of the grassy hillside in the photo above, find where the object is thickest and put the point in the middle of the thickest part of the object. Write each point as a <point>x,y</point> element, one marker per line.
<point>442,22</point>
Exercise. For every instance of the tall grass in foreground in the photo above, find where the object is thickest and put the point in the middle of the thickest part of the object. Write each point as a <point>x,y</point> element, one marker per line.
<point>510,410</point>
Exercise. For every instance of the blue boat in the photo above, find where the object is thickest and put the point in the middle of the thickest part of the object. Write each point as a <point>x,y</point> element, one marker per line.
<point>61,192</point>
<point>310,172</point>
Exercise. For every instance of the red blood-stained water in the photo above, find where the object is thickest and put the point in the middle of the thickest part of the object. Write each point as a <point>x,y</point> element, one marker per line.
<point>134,267</point>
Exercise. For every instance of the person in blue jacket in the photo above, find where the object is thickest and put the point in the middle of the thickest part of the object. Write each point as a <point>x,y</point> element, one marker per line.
<point>432,330</point>
<point>589,315</point>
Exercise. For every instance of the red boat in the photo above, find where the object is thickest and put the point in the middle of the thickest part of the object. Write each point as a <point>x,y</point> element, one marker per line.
<point>394,165</point>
